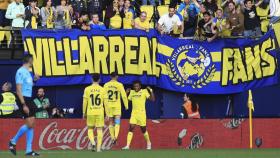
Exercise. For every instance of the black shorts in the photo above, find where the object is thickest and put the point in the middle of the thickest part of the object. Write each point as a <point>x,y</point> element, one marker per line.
<point>32,107</point>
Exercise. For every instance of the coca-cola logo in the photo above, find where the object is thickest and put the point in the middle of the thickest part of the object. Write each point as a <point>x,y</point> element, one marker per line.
<point>53,137</point>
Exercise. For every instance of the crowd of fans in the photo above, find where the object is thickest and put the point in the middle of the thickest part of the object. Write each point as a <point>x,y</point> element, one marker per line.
<point>204,20</point>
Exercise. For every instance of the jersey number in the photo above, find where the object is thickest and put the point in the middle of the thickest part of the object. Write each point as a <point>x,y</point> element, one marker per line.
<point>95,100</point>
<point>111,94</point>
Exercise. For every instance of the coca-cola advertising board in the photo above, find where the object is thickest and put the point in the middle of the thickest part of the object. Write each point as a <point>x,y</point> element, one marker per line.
<point>71,134</point>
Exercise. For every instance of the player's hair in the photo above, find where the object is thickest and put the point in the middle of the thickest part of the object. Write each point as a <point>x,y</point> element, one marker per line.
<point>26,58</point>
<point>137,82</point>
<point>95,77</point>
<point>114,74</point>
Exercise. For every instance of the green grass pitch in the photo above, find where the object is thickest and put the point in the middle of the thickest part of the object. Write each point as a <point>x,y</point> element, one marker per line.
<point>180,153</point>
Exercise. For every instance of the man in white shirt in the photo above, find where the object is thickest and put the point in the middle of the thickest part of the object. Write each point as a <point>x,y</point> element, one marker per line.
<point>15,12</point>
<point>274,6</point>
<point>169,22</point>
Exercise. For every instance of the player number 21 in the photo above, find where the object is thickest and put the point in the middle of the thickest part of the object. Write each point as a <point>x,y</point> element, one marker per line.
<point>111,94</point>
<point>95,100</point>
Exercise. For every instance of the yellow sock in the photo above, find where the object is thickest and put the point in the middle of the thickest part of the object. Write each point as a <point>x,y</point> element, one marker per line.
<point>117,131</point>
<point>112,131</point>
<point>146,136</point>
<point>129,138</point>
<point>99,138</point>
<point>91,136</point>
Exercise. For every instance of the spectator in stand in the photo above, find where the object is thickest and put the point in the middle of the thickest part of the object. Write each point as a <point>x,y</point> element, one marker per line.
<point>205,28</point>
<point>190,11</point>
<point>78,6</point>
<point>236,20</point>
<point>15,12</point>
<point>32,15</point>
<point>225,8</point>
<point>222,24</point>
<point>82,22</point>
<point>252,23</point>
<point>127,15</point>
<point>42,103</point>
<point>168,23</point>
<point>48,15</point>
<point>63,17</point>
<point>211,6</point>
<point>112,19</point>
<point>141,22</point>
<point>121,5</point>
<point>7,101</point>
<point>95,24</point>
<point>96,6</point>
<point>274,6</point>
<point>190,108</point>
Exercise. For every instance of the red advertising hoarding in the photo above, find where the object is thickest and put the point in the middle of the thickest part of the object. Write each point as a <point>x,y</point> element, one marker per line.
<point>60,134</point>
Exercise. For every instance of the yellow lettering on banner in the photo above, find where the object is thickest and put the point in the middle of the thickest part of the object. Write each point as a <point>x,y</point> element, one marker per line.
<point>100,51</point>
<point>71,69</point>
<point>154,57</point>
<point>216,56</point>
<point>144,56</point>
<point>227,65</point>
<point>131,46</point>
<point>47,60</point>
<point>36,53</point>
<point>239,69</point>
<point>253,61</point>
<point>165,50</point>
<point>269,63</point>
<point>86,62</point>
<point>116,54</point>
<point>57,70</point>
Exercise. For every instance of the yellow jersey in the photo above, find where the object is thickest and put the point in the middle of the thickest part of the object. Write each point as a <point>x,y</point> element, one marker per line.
<point>115,91</point>
<point>94,98</point>
<point>127,20</point>
<point>139,100</point>
<point>144,24</point>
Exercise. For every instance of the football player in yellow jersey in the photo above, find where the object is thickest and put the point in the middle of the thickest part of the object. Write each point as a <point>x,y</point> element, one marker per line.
<point>115,91</point>
<point>138,98</point>
<point>93,110</point>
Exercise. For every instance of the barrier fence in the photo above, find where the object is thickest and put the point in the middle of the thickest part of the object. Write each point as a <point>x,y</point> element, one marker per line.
<point>60,134</point>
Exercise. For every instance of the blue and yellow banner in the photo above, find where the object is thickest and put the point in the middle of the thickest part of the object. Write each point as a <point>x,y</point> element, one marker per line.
<point>68,57</point>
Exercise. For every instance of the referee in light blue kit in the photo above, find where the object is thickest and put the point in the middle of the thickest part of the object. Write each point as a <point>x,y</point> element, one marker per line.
<point>24,84</point>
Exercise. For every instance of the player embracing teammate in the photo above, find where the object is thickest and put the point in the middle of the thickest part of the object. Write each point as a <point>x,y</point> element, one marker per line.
<point>98,99</point>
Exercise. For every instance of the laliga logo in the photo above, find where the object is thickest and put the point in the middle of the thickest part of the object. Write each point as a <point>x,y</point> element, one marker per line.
<point>54,138</point>
<point>191,65</point>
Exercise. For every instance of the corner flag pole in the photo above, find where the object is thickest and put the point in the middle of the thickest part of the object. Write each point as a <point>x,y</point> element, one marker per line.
<point>251,109</point>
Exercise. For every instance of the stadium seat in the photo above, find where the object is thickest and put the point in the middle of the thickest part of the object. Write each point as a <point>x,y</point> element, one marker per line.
<point>162,9</point>
<point>149,9</point>
<point>263,14</point>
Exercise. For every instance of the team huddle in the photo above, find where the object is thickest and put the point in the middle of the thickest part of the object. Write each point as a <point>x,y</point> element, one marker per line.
<point>98,100</point>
